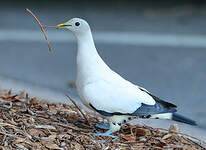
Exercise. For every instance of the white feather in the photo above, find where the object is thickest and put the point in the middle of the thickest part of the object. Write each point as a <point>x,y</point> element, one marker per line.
<point>97,83</point>
<point>162,116</point>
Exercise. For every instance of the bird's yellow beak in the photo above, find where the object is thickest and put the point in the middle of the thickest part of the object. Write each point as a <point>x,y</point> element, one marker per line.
<point>61,26</point>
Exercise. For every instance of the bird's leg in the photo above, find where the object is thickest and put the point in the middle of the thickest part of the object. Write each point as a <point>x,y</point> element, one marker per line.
<point>115,123</point>
<point>104,126</point>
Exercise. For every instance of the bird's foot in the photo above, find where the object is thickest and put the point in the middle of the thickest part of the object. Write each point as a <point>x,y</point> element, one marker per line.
<point>108,134</point>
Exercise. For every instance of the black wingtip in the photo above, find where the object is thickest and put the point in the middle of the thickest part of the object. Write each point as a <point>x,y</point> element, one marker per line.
<point>180,118</point>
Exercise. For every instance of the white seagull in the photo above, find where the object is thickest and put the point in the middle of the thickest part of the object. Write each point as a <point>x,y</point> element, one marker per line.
<point>106,92</point>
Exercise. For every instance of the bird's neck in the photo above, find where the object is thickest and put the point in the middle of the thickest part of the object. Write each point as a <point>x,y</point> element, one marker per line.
<point>89,63</point>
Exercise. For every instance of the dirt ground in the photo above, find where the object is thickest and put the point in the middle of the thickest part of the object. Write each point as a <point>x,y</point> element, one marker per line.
<point>28,123</point>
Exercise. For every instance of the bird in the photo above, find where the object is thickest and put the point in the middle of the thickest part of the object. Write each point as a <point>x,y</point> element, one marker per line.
<point>106,92</point>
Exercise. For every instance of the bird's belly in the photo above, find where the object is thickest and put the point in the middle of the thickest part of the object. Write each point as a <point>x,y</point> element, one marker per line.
<point>81,94</point>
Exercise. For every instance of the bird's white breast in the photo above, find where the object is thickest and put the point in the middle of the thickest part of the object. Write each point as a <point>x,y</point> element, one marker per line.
<point>98,85</point>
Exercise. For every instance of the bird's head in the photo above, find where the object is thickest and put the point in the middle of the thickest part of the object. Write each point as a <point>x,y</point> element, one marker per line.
<point>76,25</point>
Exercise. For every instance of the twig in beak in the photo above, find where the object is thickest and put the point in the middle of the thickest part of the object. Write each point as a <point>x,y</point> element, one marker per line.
<point>50,26</point>
<point>42,28</point>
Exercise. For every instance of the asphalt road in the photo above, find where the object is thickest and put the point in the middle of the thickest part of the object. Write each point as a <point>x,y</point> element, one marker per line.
<point>176,74</point>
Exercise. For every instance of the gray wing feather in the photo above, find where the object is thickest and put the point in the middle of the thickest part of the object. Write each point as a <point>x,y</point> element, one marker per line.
<point>160,107</point>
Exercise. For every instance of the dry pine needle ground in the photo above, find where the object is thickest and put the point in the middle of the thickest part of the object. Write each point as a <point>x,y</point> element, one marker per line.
<point>27,123</point>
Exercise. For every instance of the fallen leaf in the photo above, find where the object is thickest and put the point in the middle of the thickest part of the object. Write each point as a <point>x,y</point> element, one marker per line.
<point>128,137</point>
<point>45,127</point>
<point>78,146</point>
<point>51,145</point>
<point>174,128</point>
<point>36,132</point>
<point>19,140</point>
<point>166,136</point>
<point>21,147</point>
<point>142,132</point>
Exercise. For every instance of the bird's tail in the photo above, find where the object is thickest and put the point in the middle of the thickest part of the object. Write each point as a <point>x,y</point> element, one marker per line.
<point>180,118</point>
<point>175,117</point>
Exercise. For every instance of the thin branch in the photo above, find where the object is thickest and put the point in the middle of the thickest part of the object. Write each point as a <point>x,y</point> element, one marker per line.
<point>73,102</point>
<point>42,28</point>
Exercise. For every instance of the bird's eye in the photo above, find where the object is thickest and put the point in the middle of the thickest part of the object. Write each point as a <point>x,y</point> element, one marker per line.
<point>77,24</point>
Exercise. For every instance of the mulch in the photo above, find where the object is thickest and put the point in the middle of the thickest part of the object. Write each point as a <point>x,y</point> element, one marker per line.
<point>29,123</point>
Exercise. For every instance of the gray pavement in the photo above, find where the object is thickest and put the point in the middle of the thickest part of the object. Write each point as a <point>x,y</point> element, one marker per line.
<point>176,74</point>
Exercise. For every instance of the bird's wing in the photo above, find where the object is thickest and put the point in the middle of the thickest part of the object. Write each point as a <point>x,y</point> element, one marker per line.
<point>143,89</point>
<point>112,98</point>
<point>158,100</point>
